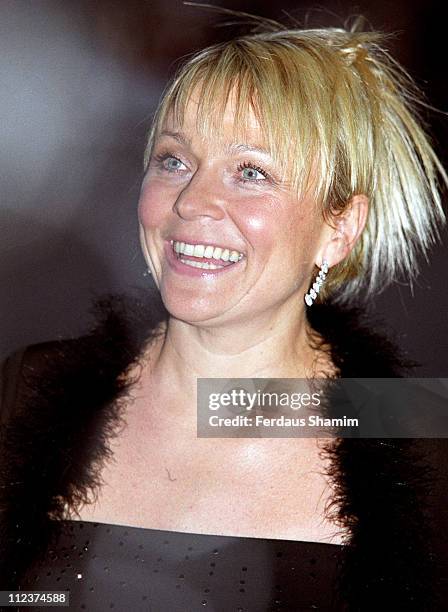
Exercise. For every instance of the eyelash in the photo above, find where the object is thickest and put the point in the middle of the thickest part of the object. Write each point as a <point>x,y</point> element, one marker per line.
<point>161,157</point>
<point>252,166</point>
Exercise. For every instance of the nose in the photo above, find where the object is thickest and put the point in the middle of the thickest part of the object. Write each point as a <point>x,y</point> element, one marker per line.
<point>201,198</point>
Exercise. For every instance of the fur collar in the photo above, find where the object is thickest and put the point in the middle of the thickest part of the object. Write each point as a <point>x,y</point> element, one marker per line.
<point>52,451</point>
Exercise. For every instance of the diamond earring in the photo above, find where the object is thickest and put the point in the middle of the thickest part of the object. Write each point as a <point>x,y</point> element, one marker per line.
<point>147,272</point>
<point>318,282</point>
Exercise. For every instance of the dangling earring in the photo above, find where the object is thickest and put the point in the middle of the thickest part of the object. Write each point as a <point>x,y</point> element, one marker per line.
<point>147,272</point>
<point>312,293</point>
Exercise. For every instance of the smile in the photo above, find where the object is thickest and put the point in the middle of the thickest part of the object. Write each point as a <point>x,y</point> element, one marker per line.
<point>202,251</point>
<point>202,258</point>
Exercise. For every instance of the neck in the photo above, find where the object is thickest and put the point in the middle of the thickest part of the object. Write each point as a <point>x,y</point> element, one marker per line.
<point>274,345</point>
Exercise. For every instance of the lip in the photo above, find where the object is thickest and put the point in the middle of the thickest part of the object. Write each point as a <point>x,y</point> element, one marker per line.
<point>176,265</point>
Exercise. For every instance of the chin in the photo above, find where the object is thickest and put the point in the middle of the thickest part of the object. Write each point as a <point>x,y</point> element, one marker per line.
<point>191,308</point>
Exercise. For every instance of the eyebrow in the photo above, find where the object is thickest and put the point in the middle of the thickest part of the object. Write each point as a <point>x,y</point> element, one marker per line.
<point>181,138</point>
<point>232,148</point>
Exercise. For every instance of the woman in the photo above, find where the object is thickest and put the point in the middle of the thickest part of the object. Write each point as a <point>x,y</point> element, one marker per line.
<point>286,176</point>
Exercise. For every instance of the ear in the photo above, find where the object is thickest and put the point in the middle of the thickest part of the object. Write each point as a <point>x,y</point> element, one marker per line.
<point>341,237</point>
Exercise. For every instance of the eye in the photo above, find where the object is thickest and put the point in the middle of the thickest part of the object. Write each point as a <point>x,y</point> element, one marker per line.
<point>170,163</point>
<point>173,164</point>
<point>252,173</point>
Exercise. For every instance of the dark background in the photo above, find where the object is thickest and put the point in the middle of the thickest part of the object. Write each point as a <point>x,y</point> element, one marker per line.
<point>79,82</point>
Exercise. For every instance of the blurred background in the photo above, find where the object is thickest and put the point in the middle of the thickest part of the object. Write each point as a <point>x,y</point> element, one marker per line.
<point>79,82</point>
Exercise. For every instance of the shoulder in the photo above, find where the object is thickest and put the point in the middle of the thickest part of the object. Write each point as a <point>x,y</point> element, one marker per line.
<point>122,324</point>
<point>19,367</point>
<point>360,343</point>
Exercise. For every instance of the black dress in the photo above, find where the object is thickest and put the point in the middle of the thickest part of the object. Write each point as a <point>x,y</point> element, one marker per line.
<point>59,412</point>
<point>109,567</point>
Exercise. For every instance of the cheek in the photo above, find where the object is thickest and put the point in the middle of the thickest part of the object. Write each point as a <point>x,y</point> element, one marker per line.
<point>152,205</point>
<point>257,220</point>
<point>273,224</point>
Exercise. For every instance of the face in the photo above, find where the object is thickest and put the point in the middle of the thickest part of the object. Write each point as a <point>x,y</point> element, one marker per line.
<point>203,200</point>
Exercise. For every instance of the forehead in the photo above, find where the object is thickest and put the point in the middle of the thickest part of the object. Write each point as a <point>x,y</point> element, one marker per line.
<point>226,124</point>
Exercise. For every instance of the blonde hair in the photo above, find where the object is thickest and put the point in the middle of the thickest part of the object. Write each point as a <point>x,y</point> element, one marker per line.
<point>333,103</point>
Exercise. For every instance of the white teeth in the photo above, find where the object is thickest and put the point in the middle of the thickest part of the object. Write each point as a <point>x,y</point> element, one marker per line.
<point>207,252</point>
<point>199,264</point>
<point>199,250</point>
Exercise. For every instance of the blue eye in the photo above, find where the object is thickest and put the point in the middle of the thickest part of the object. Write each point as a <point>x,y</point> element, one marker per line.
<point>172,164</point>
<point>252,173</point>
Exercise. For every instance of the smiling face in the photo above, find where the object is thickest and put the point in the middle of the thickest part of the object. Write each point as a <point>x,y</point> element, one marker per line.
<point>224,197</point>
